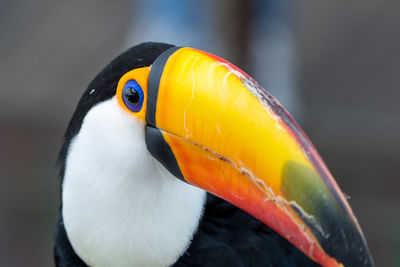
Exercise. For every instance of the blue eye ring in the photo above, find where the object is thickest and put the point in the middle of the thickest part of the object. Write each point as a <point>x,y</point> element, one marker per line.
<point>133,96</point>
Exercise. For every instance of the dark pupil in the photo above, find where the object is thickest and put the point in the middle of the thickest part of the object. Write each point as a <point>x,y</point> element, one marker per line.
<point>132,95</point>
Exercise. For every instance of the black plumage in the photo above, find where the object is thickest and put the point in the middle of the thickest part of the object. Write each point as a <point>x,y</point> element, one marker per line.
<point>105,86</point>
<point>226,236</point>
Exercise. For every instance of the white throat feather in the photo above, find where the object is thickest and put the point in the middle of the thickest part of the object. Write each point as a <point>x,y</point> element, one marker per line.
<point>120,206</point>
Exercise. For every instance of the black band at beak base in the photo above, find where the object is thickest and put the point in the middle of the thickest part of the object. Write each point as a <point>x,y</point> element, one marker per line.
<point>161,151</point>
<point>153,84</point>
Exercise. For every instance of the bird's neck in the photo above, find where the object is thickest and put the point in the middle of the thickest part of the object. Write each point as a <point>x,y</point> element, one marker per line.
<point>120,207</point>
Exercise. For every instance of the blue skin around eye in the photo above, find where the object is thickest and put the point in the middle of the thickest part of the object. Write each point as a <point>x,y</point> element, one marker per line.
<point>136,86</point>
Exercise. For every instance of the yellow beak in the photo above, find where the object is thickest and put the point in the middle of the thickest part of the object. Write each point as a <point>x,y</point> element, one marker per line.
<point>214,127</point>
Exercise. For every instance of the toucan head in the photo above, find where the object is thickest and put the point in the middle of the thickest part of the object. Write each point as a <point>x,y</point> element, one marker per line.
<point>214,127</point>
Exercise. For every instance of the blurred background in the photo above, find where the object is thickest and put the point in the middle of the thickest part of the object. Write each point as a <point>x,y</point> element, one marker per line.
<point>334,64</point>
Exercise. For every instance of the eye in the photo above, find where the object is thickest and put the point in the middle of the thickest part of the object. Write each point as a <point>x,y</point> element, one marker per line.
<point>133,96</point>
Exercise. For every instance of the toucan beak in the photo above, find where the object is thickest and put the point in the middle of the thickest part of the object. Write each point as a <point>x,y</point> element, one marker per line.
<point>213,126</point>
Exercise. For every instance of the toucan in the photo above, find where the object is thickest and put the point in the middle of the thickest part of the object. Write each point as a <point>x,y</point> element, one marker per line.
<point>176,157</point>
